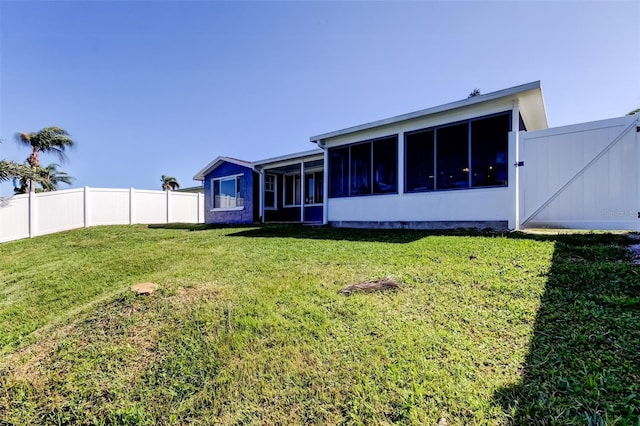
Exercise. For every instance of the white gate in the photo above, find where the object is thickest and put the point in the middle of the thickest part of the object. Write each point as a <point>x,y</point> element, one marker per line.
<point>583,176</point>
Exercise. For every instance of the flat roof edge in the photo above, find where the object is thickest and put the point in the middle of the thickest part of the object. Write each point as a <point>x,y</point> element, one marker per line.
<point>433,110</point>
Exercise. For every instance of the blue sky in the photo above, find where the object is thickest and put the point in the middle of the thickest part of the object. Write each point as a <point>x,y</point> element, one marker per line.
<point>163,87</point>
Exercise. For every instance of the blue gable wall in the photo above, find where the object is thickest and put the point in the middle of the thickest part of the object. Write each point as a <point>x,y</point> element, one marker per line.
<point>244,216</point>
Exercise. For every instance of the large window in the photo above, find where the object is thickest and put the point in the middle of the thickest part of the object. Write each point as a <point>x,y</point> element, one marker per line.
<point>292,192</point>
<point>228,192</point>
<point>364,168</point>
<point>490,139</point>
<point>313,187</point>
<point>270,186</point>
<point>420,152</point>
<point>469,154</point>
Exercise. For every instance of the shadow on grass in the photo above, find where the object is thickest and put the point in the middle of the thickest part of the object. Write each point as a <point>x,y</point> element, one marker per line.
<point>584,361</point>
<point>398,236</point>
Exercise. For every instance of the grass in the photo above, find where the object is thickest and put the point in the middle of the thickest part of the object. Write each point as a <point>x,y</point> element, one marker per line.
<point>248,327</point>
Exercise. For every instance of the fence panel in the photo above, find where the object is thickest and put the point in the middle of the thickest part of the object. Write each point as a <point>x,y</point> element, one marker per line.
<point>150,206</point>
<point>183,207</point>
<point>108,206</point>
<point>582,176</point>
<point>14,218</point>
<point>30,215</point>
<point>59,211</point>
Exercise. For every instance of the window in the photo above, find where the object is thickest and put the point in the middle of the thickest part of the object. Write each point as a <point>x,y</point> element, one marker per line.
<point>452,156</point>
<point>364,168</point>
<point>419,152</point>
<point>489,151</point>
<point>339,172</point>
<point>361,169</point>
<point>270,191</point>
<point>292,190</point>
<point>313,183</point>
<point>228,192</point>
<point>385,165</point>
<point>471,154</point>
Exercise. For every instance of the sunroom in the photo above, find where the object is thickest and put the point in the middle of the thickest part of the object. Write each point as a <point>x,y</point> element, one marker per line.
<point>291,187</point>
<point>449,166</point>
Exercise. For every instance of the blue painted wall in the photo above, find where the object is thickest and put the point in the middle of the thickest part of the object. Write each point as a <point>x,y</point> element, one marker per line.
<point>245,216</point>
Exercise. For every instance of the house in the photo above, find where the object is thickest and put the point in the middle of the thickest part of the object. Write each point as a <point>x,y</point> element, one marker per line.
<point>485,161</point>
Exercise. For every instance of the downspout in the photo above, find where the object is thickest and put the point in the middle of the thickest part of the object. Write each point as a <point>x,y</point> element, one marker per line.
<point>302,194</point>
<point>261,195</point>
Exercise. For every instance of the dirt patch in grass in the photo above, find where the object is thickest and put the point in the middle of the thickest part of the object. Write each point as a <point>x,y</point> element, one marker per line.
<point>383,284</point>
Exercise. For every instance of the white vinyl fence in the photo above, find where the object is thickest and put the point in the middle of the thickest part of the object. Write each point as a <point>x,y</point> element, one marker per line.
<point>30,215</point>
<point>585,176</point>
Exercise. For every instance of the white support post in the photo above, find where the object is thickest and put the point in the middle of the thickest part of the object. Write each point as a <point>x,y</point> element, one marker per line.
<point>514,161</point>
<point>132,206</point>
<point>86,204</point>
<point>261,195</point>
<point>302,191</point>
<point>33,213</point>
<point>401,163</point>
<point>325,188</point>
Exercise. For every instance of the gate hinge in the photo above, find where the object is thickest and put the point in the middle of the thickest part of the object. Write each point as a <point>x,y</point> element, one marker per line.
<point>637,129</point>
<point>519,164</point>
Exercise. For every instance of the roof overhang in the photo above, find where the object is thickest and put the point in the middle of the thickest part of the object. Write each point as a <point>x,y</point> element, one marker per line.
<point>218,161</point>
<point>528,97</point>
<point>284,160</point>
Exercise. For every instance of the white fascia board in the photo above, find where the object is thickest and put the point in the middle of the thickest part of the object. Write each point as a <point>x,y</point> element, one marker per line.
<point>219,160</point>
<point>516,92</point>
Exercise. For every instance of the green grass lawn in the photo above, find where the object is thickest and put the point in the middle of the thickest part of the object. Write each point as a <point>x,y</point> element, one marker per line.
<point>248,327</point>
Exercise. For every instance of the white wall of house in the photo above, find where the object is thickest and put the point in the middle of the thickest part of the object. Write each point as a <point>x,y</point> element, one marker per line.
<point>584,176</point>
<point>461,205</point>
<point>486,204</point>
<point>30,215</point>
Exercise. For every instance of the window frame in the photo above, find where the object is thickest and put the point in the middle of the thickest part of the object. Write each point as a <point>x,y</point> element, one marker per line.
<point>468,122</point>
<point>314,173</point>
<point>274,190</point>
<point>284,190</point>
<point>371,172</point>
<point>213,194</point>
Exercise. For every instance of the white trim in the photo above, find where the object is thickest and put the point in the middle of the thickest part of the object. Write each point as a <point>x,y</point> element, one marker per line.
<point>500,94</point>
<point>214,164</point>
<point>275,190</point>
<point>226,209</point>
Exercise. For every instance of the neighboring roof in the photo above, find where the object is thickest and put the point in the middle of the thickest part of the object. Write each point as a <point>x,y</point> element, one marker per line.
<point>531,103</point>
<point>191,189</point>
<point>289,157</point>
<point>219,160</point>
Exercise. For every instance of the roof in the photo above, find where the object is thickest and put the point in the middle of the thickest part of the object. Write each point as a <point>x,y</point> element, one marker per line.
<point>219,160</point>
<point>289,157</point>
<point>529,97</point>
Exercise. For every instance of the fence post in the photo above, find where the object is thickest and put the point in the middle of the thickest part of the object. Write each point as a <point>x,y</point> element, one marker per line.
<point>86,206</point>
<point>32,214</point>
<point>132,211</point>
<point>168,204</point>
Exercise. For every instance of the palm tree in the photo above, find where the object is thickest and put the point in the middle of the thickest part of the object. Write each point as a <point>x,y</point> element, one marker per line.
<point>11,170</point>
<point>53,140</point>
<point>52,177</point>
<point>169,183</point>
<point>47,179</point>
